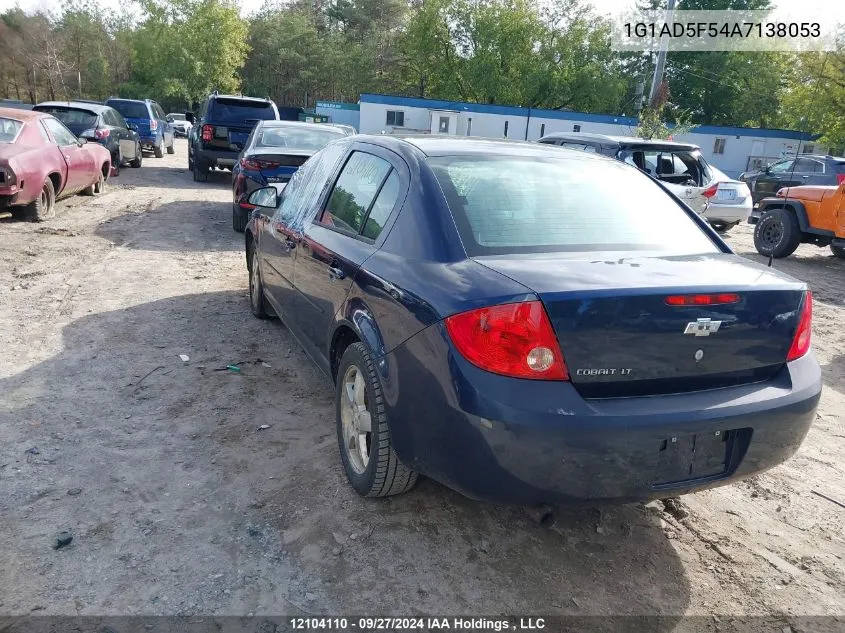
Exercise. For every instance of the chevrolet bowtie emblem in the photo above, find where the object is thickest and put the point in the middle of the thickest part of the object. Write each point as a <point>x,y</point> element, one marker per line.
<point>703,327</point>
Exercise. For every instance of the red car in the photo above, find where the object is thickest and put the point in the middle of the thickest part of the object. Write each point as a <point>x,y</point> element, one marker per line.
<point>41,161</point>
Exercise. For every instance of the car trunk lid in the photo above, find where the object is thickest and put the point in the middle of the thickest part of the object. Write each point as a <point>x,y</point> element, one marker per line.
<point>620,337</point>
<point>277,165</point>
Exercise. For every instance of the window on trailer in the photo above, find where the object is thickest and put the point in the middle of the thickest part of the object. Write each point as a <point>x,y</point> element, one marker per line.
<point>396,118</point>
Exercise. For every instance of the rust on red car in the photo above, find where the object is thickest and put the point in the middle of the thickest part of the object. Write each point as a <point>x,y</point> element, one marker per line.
<point>34,147</point>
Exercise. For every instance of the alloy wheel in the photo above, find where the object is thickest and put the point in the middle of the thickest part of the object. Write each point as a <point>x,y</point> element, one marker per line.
<point>356,420</point>
<point>771,233</point>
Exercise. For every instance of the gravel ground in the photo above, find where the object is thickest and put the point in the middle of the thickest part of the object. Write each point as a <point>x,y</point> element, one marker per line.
<point>179,504</point>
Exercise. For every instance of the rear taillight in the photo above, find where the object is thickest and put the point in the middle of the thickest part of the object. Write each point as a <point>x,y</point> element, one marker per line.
<point>840,178</point>
<point>722,298</point>
<point>803,334</point>
<point>711,191</point>
<point>514,339</point>
<point>207,132</point>
<point>257,165</point>
<point>7,176</point>
<point>102,133</point>
<point>153,125</point>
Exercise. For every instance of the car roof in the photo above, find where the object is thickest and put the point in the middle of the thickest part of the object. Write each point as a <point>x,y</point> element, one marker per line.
<point>436,145</point>
<point>20,114</point>
<point>300,124</point>
<point>79,105</point>
<point>608,139</point>
<point>819,157</point>
<point>241,97</point>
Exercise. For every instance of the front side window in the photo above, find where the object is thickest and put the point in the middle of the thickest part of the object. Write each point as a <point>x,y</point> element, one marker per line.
<point>782,167</point>
<point>562,204</point>
<point>60,133</point>
<point>395,118</point>
<point>357,187</point>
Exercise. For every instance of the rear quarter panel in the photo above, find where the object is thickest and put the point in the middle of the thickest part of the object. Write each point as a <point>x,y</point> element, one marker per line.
<point>33,165</point>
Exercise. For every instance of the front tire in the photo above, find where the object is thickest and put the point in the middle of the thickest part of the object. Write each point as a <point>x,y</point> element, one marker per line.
<point>363,436</point>
<point>44,206</point>
<point>200,171</point>
<point>777,234</point>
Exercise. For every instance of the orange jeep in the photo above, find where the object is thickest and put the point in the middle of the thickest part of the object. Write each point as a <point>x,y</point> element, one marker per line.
<point>806,214</point>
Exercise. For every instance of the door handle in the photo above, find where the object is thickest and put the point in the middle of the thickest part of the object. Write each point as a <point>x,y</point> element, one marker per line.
<point>336,273</point>
<point>805,177</point>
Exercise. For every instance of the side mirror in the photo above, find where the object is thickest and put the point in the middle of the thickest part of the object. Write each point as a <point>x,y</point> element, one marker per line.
<point>88,135</point>
<point>81,141</point>
<point>189,116</point>
<point>266,197</point>
<point>170,119</point>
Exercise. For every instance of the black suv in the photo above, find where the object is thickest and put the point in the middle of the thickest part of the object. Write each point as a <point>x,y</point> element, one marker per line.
<point>221,128</point>
<point>805,169</point>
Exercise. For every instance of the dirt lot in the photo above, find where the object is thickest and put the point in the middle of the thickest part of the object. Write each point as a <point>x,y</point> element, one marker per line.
<point>178,504</point>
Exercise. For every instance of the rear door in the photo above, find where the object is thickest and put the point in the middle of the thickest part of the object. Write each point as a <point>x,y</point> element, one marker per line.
<point>344,233</point>
<point>79,161</point>
<point>126,137</point>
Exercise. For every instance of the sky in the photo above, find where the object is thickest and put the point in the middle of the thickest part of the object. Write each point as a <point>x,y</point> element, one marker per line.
<point>251,6</point>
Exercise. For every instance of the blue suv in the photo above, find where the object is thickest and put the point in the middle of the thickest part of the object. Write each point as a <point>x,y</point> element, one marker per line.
<point>147,118</point>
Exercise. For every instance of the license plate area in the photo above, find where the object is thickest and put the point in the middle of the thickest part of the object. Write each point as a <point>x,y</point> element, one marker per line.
<point>689,457</point>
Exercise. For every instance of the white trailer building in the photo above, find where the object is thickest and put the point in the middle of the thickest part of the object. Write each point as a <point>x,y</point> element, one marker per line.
<point>731,149</point>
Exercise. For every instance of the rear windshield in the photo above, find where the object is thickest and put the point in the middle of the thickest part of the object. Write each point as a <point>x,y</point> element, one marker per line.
<point>238,110</point>
<point>130,109</point>
<point>72,117</point>
<point>295,138</point>
<point>177,117</point>
<point>9,129</point>
<point>515,204</point>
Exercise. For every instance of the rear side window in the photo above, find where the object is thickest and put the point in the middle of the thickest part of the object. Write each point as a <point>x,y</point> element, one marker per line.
<point>238,110</point>
<point>355,191</point>
<point>9,129</point>
<point>562,204</point>
<point>382,207</point>
<point>131,109</point>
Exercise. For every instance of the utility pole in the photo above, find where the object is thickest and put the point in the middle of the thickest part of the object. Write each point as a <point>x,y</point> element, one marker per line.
<point>79,82</point>
<point>660,66</point>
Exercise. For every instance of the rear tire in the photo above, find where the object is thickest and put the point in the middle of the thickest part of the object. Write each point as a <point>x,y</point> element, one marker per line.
<point>239,219</point>
<point>371,464</point>
<point>139,157</point>
<point>44,206</point>
<point>158,152</point>
<point>170,148</point>
<point>838,251</point>
<point>200,172</point>
<point>116,159</point>
<point>777,234</point>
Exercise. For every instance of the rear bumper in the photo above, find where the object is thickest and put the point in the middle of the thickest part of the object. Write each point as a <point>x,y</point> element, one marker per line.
<point>11,196</point>
<point>728,214</point>
<point>521,441</point>
<point>216,157</point>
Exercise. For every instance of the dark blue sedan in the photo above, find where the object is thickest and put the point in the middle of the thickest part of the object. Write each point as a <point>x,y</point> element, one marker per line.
<point>271,155</point>
<point>527,324</point>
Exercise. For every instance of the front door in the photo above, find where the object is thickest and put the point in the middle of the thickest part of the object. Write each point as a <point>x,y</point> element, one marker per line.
<point>80,162</point>
<point>339,240</point>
